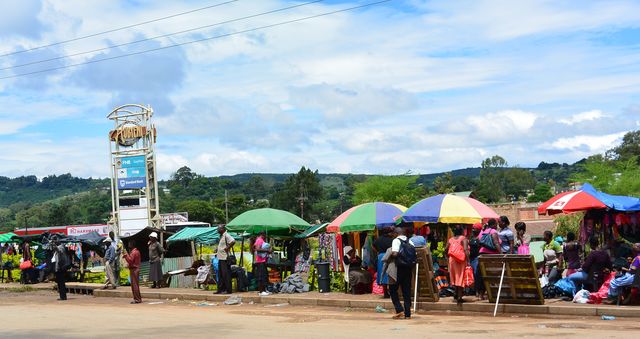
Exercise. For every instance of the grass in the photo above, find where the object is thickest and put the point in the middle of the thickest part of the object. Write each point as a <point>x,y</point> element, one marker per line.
<point>21,289</point>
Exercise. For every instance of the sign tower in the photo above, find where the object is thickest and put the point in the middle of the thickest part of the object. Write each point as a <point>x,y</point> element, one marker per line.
<point>134,184</point>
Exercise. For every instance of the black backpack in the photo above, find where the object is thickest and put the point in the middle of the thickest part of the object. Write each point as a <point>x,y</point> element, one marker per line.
<point>406,255</point>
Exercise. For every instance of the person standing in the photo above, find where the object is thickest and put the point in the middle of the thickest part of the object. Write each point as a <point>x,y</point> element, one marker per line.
<point>117,244</point>
<point>156,253</point>
<point>261,253</point>
<point>224,267</point>
<point>109,263</point>
<point>403,278</point>
<point>457,250</point>
<point>133,261</point>
<point>505,235</point>
<point>61,263</point>
<point>522,238</point>
<point>381,245</point>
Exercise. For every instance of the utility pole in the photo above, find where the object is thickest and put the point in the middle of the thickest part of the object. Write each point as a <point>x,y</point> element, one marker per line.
<point>226,207</point>
<point>301,200</point>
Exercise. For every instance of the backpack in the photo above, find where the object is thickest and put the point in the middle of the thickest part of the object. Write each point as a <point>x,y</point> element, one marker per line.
<point>406,255</point>
<point>486,241</point>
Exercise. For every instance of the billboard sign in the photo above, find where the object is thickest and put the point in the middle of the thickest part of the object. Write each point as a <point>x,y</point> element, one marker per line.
<point>130,162</point>
<point>103,230</point>
<point>131,172</point>
<point>129,183</point>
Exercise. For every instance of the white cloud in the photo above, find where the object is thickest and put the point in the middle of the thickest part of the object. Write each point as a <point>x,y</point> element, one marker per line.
<point>592,143</point>
<point>583,116</point>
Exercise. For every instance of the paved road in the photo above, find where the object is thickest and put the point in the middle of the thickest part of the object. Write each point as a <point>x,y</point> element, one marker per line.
<point>37,314</point>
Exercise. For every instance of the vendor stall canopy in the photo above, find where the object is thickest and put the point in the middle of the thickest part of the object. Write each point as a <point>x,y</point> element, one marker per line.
<point>366,217</point>
<point>449,209</point>
<point>588,198</point>
<point>7,237</point>
<point>200,235</point>
<point>272,221</point>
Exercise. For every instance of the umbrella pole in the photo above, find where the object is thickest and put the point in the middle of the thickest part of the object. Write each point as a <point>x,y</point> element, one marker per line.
<point>495,310</point>
<point>415,291</point>
<point>241,262</point>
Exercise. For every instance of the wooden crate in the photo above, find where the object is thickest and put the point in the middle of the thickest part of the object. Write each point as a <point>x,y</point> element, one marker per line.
<point>427,289</point>
<point>520,285</point>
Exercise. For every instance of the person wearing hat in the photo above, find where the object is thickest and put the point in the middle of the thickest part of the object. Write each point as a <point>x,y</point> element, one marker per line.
<point>109,263</point>
<point>61,263</point>
<point>156,252</point>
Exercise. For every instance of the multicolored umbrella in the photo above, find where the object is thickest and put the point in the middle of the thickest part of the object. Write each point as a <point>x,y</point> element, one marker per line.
<point>272,221</point>
<point>572,201</point>
<point>449,209</point>
<point>366,217</point>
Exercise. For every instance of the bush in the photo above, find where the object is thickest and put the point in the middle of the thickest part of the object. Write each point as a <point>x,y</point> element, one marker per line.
<point>566,223</point>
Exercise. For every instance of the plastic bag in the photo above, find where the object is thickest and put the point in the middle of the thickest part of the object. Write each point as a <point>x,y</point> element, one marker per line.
<point>581,297</point>
<point>567,287</point>
<point>468,276</point>
<point>544,281</point>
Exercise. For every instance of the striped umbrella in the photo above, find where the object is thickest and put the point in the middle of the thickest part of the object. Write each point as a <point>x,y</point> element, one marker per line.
<point>366,217</point>
<point>449,209</point>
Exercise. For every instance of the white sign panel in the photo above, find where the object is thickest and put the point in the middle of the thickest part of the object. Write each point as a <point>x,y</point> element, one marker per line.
<point>103,230</point>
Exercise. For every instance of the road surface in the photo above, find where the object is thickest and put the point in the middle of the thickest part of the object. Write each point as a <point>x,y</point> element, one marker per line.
<point>38,314</point>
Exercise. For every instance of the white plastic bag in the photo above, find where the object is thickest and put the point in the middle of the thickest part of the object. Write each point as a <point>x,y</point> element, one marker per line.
<point>544,281</point>
<point>581,297</point>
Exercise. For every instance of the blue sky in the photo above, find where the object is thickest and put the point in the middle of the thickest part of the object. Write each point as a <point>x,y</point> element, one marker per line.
<point>421,86</point>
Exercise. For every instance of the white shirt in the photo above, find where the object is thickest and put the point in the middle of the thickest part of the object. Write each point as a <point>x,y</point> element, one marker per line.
<point>395,244</point>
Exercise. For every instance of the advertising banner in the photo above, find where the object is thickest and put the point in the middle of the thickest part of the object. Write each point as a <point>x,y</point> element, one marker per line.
<point>131,172</point>
<point>130,162</point>
<point>128,183</point>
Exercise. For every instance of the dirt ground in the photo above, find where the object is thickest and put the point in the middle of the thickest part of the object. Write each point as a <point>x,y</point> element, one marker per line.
<point>38,314</point>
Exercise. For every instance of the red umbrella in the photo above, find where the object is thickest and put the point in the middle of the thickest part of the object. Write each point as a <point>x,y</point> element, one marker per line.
<point>572,201</point>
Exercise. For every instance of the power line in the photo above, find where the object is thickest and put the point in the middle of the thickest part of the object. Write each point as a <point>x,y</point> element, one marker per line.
<point>160,36</point>
<point>119,29</point>
<point>199,40</point>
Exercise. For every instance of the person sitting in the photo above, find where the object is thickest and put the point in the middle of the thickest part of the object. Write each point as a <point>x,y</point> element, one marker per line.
<point>597,263</point>
<point>572,252</point>
<point>359,279</point>
<point>552,258</point>
<point>627,277</point>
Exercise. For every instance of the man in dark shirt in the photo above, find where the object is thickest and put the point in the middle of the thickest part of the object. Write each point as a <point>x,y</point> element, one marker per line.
<point>597,259</point>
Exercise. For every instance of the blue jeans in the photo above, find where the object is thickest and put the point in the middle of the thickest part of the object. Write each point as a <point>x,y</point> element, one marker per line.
<point>617,283</point>
<point>578,279</point>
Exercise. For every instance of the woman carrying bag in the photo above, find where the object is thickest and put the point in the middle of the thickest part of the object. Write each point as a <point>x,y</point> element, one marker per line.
<point>458,251</point>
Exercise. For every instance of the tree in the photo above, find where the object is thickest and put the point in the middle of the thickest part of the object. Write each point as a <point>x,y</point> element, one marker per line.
<point>198,210</point>
<point>517,182</point>
<point>491,187</point>
<point>464,183</point>
<point>611,176</point>
<point>630,147</point>
<point>299,193</point>
<point>394,189</point>
<point>444,184</point>
<point>184,176</point>
<point>541,193</point>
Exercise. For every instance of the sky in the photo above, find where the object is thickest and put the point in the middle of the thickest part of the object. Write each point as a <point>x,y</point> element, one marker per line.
<point>406,85</point>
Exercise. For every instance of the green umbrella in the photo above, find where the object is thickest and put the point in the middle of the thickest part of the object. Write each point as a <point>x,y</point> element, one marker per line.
<point>270,220</point>
<point>6,237</point>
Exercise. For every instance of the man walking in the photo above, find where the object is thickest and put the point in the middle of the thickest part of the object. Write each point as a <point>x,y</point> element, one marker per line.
<point>224,245</point>
<point>109,263</point>
<point>133,261</point>
<point>399,248</point>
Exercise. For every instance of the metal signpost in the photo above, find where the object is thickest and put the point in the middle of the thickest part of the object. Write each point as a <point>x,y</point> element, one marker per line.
<point>134,184</point>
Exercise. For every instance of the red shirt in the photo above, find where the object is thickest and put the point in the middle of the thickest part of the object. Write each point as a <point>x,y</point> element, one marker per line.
<point>133,259</point>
